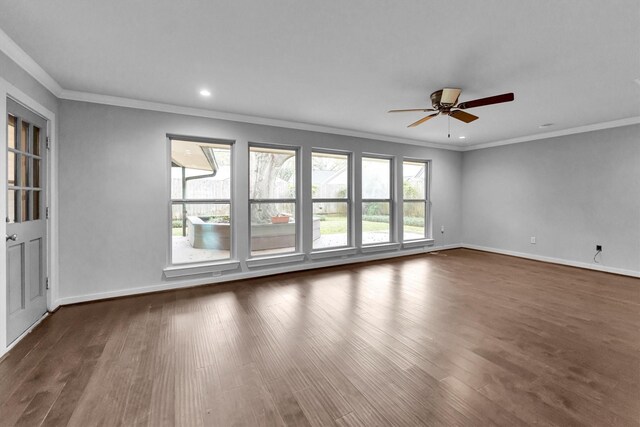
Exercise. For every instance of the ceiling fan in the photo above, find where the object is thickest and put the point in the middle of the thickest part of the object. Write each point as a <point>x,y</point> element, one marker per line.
<point>444,102</point>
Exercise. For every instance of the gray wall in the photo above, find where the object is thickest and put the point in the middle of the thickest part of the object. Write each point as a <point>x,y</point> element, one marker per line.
<point>571,193</point>
<point>114,189</point>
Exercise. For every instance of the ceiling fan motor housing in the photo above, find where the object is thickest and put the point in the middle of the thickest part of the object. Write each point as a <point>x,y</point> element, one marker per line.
<point>435,99</point>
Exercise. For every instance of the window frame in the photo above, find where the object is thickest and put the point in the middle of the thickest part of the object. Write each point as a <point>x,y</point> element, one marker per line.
<point>185,201</point>
<point>348,200</point>
<point>426,200</point>
<point>392,216</point>
<point>295,201</point>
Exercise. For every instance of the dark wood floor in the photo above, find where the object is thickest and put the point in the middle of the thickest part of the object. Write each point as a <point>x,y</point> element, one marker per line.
<point>461,338</point>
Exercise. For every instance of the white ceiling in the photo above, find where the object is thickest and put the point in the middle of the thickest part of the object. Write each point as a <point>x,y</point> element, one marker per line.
<point>345,63</point>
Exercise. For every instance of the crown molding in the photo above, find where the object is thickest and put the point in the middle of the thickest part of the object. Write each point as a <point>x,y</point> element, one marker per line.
<point>22,58</point>
<point>212,114</point>
<point>545,135</point>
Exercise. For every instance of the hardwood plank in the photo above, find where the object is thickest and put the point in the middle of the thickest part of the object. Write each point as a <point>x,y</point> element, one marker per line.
<point>350,420</point>
<point>287,404</point>
<point>162,402</point>
<point>461,338</point>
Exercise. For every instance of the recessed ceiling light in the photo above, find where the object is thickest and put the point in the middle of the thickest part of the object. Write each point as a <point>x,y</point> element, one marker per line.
<point>205,92</point>
<point>462,137</point>
<point>545,125</point>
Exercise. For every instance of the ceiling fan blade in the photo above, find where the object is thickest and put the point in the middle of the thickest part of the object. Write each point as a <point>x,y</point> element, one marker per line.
<point>449,96</point>
<point>505,97</point>
<point>422,120</point>
<point>411,109</point>
<point>463,116</point>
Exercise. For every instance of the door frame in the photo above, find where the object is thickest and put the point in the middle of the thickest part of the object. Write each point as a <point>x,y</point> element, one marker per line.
<point>7,90</point>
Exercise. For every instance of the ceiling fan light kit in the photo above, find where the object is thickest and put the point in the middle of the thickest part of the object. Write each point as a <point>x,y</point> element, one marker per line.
<point>445,102</point>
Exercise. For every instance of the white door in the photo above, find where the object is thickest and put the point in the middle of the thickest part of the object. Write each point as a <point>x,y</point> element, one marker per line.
<point>26,222</point>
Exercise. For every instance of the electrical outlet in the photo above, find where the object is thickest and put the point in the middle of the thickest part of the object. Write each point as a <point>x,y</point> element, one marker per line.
<point>533,240</point>
<point>599,248</point>
<point>442,228</point>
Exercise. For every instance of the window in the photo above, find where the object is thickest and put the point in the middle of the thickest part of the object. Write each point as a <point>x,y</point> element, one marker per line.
<point>415,206</point>
<point>200,201</point>
<point>376,200</point>
<point>331,194</point>
<point>272,200</point>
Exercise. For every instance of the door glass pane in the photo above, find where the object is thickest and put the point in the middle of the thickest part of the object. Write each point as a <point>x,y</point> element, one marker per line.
<point>208,232</point>
<point>35,146</point>
<point>25,205</point>
<point>11,131</point>
<point>11,168</point>
<point>330,225</point>
<point>273,228</point>
<point>11,206</point>
<point>376,225</point>
<point>413,180</point>
<point>414,220</point>
<point>330,176</point>
<point>24,171</point>
<point>24,137</point>
<point>272,173</point>
<point>36,205</point>
<point>376,178</point>
<point>36,172</point>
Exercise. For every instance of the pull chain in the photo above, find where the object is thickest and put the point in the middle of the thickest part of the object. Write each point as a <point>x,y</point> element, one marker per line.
<point>449,126</point>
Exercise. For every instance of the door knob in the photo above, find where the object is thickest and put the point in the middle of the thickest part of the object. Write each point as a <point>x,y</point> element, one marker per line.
<point>13,237</point>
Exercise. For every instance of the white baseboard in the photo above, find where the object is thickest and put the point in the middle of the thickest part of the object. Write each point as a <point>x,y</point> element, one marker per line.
<point>187,283</point>
<point>552,260</point>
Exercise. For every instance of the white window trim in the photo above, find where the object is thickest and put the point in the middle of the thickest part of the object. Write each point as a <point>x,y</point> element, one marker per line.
<point>427,204</point>
<point>197,266</point>
<point>380,247</point>
<point>265,261</point>
<point>296,201</point>
<point>416,243</point>
<point>348,200</point>
<point>390,200</point>
<point>181,270</point>
<point>333,252</point>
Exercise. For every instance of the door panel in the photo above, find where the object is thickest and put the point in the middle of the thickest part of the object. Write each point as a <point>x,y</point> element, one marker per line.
<point>15,278</point>
<point>26,222</point>
<point>34,251</point>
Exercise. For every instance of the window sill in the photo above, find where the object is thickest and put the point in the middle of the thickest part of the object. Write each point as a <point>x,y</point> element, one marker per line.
<point>196,269</point>
<point>380,247</point>
<point>333,253</point>
<point>275,259</point>
<point>417,243</point>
